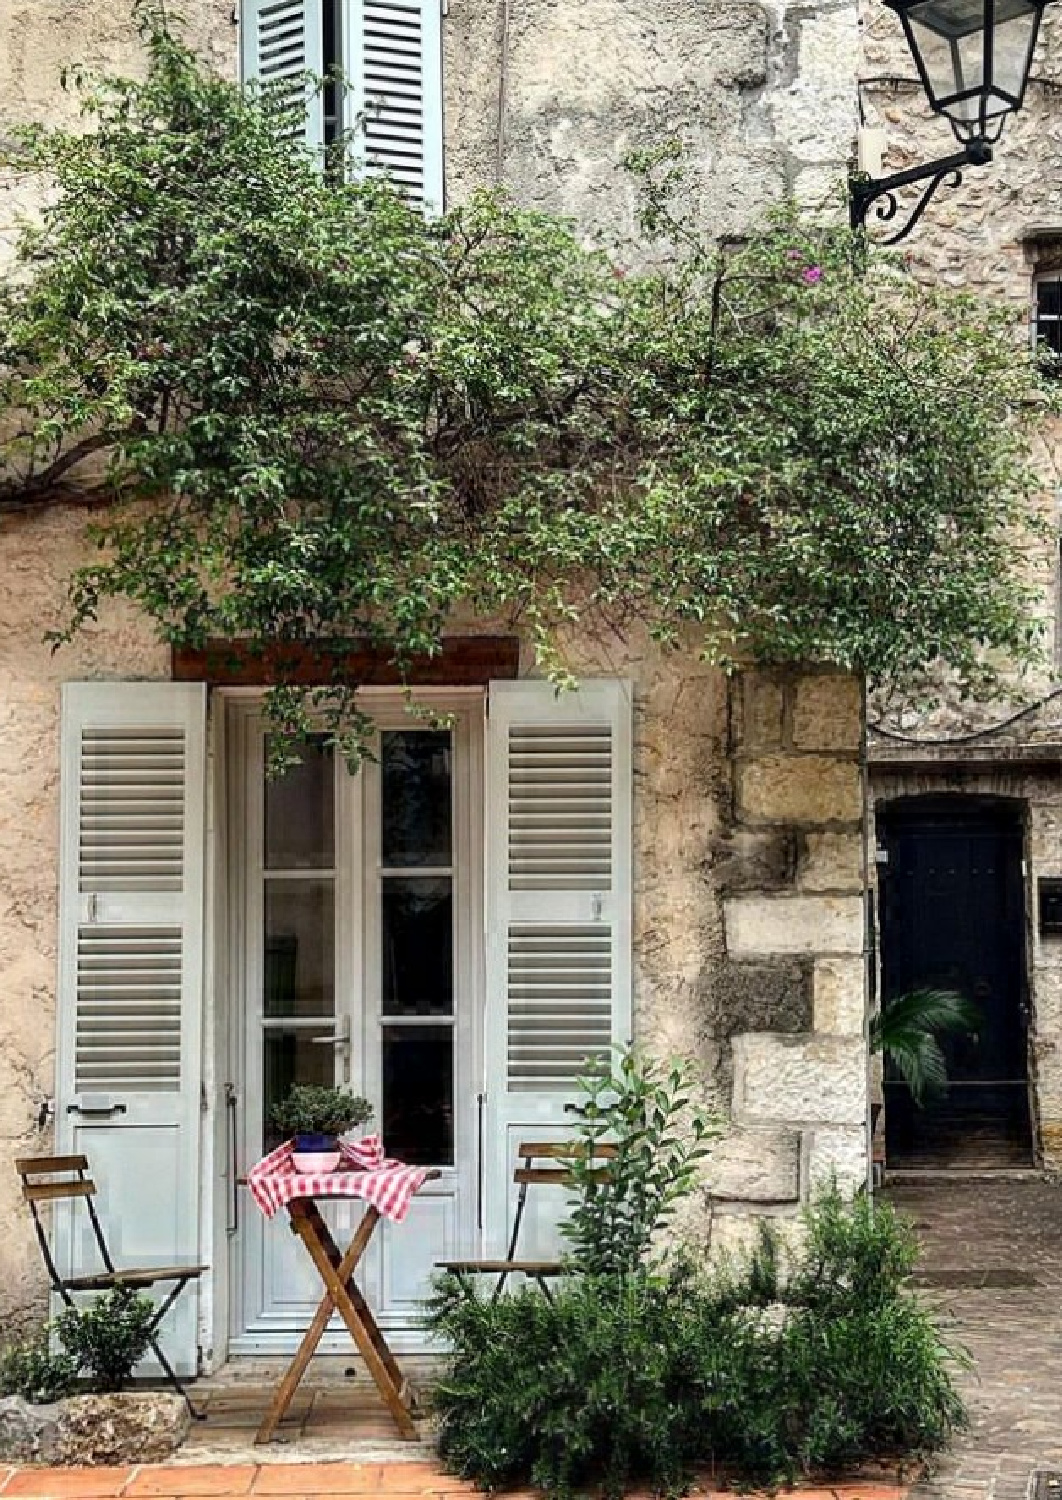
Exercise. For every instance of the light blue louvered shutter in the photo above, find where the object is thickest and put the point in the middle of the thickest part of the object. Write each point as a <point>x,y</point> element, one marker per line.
<point>281,42</point>
<point>130,982</point>
<point>393,64</point>
<point>558,900</point>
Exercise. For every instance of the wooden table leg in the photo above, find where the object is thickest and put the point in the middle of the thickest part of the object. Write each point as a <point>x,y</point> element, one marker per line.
<point>343,1296</point>
<point>324,1235</point>
<point>314,1333</point>
<point>371,1343</point>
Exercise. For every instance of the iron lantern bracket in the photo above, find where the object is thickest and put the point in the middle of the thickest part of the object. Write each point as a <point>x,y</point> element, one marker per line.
<point>864,191</point>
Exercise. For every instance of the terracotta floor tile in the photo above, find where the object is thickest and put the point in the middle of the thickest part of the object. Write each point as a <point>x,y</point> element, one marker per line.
<point>319,1479</point>
<point>56,1484</point>
<point>192,1479</point>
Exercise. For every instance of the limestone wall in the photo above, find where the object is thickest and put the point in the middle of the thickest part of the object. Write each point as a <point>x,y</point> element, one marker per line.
<point>791,884</point>
<point>748,933</point>
<point>547,97</point>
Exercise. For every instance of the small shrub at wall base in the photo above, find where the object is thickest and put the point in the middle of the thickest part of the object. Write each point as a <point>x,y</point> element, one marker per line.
<point>36,1372</point>
<point>104,1341</point>
<point>645,1378</point>
<point>109,1337</point>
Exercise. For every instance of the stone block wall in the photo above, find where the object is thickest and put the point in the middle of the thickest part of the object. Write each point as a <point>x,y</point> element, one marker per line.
<point>791,888</point>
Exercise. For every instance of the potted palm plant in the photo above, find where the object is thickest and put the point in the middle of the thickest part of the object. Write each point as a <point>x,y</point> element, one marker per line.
<point>907,1029</point>
<point>315,1115</point>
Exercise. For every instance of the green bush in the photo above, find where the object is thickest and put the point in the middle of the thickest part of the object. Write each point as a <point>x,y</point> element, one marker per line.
<point>774,1367</point>
<point>35,1372</point>
<point>109,1337</point>
<point>644,1111</point>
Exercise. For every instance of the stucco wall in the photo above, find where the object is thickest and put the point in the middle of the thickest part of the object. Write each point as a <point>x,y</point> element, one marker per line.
<point>547,97</point>
<point>747,944</point>
<point>747,936</point>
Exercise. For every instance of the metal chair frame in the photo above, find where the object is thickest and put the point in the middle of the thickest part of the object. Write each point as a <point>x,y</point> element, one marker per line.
<point>524,1175</point>
<point>80,1185</point>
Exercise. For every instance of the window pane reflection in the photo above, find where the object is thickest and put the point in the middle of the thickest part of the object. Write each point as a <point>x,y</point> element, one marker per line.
<point>418,947</point>
<point>299,959</point>
<point>415,777</point>
<point>418,1094</point>
<point>299,812</point>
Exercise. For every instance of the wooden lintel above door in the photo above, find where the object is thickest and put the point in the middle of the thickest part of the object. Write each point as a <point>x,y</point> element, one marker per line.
<point>464,661</point>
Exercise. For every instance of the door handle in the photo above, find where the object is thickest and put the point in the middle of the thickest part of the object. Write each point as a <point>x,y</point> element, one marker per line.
<point>96,1109</point>
<point>338,1039</point>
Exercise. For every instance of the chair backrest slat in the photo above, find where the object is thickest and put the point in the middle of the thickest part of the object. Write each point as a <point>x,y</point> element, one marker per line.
<point>38,1166</point>
<point>564,1150</point>
<point>40,1192</point>
<point>557,1175</point>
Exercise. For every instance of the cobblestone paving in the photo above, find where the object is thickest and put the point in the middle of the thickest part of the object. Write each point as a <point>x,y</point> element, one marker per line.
<point>997,1226</point>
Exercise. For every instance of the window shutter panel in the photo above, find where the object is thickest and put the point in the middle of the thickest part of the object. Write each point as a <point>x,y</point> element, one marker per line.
<point>393,63</point>
<point>130,972</point>
<point>558,912</point>
<point>280,42</point>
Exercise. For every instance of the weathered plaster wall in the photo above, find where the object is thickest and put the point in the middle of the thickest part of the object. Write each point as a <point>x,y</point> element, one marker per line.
<point>548,97</point>
<point>761,95</point>
<point>748,813</point>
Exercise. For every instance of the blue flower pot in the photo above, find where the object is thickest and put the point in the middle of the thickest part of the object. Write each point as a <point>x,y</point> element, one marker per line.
<point>315,1142</point>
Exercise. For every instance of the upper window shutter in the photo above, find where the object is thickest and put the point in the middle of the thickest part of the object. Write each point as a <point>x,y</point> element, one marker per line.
<point>393,64</point>
<point>281,41</point>
<point>129,1001</point>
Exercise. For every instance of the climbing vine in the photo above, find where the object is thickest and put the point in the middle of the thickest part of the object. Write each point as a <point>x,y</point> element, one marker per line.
<point>300,411</point>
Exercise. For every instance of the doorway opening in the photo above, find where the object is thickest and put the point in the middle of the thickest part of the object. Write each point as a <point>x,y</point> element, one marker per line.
<point>952,917</point>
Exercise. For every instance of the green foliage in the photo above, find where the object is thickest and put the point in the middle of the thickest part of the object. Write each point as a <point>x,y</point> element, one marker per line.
<point>349,421</point>
<point>907,1028</point>
<point>778,1366</point>
<point>644,1111</point>
<point>314,1109</point>
<point>109,1337</point>
<point>32,1370</point>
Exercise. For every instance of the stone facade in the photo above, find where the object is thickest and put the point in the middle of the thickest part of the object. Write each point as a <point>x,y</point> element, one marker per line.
<point>748,937</point>
<point>990,236</point>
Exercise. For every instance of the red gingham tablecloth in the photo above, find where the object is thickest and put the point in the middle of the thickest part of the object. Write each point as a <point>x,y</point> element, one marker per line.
<point>366,1173</point>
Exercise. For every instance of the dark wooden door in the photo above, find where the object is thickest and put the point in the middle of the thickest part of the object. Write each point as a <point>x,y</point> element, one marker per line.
<point>952,917</point>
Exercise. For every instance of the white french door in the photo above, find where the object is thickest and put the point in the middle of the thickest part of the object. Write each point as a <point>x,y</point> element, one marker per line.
<point>358,962</point>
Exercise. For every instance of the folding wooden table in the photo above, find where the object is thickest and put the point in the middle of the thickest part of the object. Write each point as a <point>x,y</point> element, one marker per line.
<point>342,1294</point>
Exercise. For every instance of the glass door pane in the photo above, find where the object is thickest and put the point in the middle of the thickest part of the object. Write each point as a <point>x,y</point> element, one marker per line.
<point>416,917</point>
<point>298,1000</point>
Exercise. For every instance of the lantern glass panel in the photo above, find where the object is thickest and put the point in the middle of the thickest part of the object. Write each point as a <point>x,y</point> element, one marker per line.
<point>948,38</point>
<point>949,41</point>
<point>1014,39</point>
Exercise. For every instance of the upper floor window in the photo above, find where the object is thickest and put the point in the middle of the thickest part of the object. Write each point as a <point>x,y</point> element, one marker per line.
<point>389,53</point>
<point>1047,320</point>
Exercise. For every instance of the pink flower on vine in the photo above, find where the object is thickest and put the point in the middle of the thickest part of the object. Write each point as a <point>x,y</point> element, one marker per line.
<point>812,275</point>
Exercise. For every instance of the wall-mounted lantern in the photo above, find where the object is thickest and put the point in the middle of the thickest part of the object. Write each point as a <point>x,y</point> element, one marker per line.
<point>973,57</point>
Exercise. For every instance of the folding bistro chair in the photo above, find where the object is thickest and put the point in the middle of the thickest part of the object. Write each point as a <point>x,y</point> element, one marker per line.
<point>46,1179</point>
<point>556,1153</point>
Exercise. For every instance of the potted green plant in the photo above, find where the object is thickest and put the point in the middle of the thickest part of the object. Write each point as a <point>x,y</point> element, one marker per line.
<point>906,1029</point>
<point>315,1115</point>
